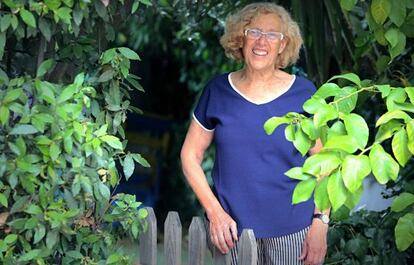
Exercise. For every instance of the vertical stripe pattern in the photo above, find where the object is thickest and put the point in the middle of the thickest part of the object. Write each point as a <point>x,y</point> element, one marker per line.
<point>284,250</point>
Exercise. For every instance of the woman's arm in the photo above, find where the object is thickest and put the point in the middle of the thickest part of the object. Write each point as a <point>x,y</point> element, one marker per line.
<point>315,244</point>
<point>223,229</point>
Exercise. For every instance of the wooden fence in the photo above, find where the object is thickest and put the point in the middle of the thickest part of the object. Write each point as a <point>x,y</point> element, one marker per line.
<point>197,243</point>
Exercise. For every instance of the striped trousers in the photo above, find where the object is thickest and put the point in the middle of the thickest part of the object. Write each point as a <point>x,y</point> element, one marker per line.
<point>284,250</point>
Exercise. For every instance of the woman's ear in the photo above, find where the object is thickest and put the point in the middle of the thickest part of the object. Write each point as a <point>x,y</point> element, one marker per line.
<point>283,44</point>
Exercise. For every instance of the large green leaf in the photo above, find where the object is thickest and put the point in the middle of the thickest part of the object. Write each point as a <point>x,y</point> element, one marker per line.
<point>4,114</point>
<point>321,195</point>
<point>112,141</point>
<point>380,9</point>
<point>328,90</point>
<point>67,93</point>
<point>302,142</point>
<point>357,128</point>
<point>348,76</point>
<point>23,129</point>
<point>128,53</point>
<point>309,129</point>
<point>303,190</point>
<point>399,46</point>
<point>346,99</point>
<point>296,173</point>
<point>324,114</point>
<point>383,165</point>
<point>12,95</point>
<point>410,93</point>
<point>395,114</point>
<point>387,130</point>
<point>353,198</point>
<point>400,147</point>
<point>336,190</point>
<point>28,18</point>
<point>45,67</point>
<point>274,122</point>
<point>342,142</point>
<point>398,13</point>
<point>321,164</point>
<point>354,170</point>
<point>397,94</point>
<point>410,136</point>
<point>128,166</point>
<point>404,231</point>
<point>139,159</point>
<point>402,201</point>
<point>30,255</point>
<point>313,104</point>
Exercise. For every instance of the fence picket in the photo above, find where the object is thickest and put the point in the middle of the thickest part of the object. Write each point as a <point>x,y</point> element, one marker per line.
<point>172,239</point>
<point>220,259</point>
<point>248,248</point>
<point>148,241</point>
<point>197,242</point>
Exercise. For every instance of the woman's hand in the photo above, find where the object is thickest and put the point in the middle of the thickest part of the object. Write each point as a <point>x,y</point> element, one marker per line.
<point>315,246</point>
<point>223,231</point>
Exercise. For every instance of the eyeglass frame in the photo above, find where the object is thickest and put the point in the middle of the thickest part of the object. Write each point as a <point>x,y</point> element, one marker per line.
<point>263,33</point>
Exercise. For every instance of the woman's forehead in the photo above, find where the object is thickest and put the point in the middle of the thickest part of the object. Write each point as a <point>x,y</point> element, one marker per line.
<point>268,21</point>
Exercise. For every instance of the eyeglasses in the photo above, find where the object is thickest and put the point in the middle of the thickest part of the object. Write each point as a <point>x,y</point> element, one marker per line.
<point>255,34</point>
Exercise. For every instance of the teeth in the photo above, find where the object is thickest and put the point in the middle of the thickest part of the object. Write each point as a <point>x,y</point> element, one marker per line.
<point>259,52</point>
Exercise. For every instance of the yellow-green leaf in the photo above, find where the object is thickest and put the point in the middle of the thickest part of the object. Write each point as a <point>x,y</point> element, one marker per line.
<point>400,147</point>
<point>383,165</point>
<point>28,18</point>
<point>354,170</point>
<point>303,190</point>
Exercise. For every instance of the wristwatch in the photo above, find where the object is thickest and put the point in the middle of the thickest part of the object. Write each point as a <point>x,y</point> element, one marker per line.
<point>323,217</point>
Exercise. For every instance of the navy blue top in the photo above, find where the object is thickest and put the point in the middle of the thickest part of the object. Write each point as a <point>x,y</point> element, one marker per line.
<point>248,172</point>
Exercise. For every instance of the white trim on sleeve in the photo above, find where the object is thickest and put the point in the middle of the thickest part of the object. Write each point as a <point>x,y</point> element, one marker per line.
<point>199,123</point>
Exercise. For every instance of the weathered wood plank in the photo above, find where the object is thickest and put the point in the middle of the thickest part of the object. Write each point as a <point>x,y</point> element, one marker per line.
<point>248,248</point>
<point>148,241</point>
<point>197,242</point>
<point>172,239</point>
<point>220,259</point>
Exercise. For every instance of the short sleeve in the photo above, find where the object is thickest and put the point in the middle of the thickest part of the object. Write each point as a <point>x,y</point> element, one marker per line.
<point>203,110</point>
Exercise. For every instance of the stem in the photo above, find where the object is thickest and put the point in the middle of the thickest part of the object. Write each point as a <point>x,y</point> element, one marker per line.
<point>372,88</point>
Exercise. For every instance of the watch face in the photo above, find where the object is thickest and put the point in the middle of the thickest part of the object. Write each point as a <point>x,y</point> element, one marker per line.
<point>325,218</point>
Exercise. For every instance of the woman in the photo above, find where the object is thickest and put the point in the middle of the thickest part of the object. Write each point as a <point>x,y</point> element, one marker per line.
<point>250,188</point>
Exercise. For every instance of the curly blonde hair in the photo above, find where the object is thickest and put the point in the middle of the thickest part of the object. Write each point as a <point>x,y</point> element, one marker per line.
<point>232,40</point>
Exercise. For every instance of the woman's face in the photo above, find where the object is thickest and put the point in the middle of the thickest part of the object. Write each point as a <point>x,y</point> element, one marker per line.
<point>262,54</point>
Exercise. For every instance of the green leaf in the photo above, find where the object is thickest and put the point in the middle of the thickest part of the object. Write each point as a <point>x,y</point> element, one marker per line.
<point>357,128</point>
<point>135,6</point>
<point>349,76</point>
<point>384,89</point>
<point>104,191</point>
<point>274,122</point>
<point>68,144</point>
<point>404,106</point>
<point>353,198</point>
<point>346,99</point>
<point>296,173</point>
<point>40,233</point>
<point>398,13</point>
<point>386,130</point>
<point>3,200</point>
<point>128,53</point>
<point>113,258</point>
<point>302,142</point>
<point>348,5</point>
<point>400,47</point>
<point>410,136</point>
<point>129,166</point>
<point>392,36</point>
<point>28,18</point>
<point>328,90</point>
<point>324,114</point>
<point>112,141</point>
<point>54,151</point>
<point>51,239</point>
<point>396,95</point>
<point>321,164</point>
<point>380,9</point>
<point>404,232</point>
<point>5,22</point>
<point>12,95</point>
<point>23,129</point>
<point>45,67</point>
<point>32,254</point>
<point>395,114</point>
<point>2,43</point>
<point>10,239</point>
<point>106,76</point>
<point>383,165</point>
<point>342,142</point>
<point>402,201</point>
<point>400,147</point>
<point>45,29</point>
<point>64,14</point>
<point>139,159</point>
<point>74,254</point>
<point>321,195</point>
<point>336,190</point>
<point>313,104</point>
<point>410,93</point>
<point>309,128</point>
<point>4,114</point>
<point>303,190</point>
<point>67,93</point>
<point>354,170</point>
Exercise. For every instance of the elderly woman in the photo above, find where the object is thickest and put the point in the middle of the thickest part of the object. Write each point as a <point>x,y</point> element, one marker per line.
<point>250,188</point>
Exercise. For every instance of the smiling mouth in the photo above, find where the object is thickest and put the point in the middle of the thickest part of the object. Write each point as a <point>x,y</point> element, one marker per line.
<point>259,52</point>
